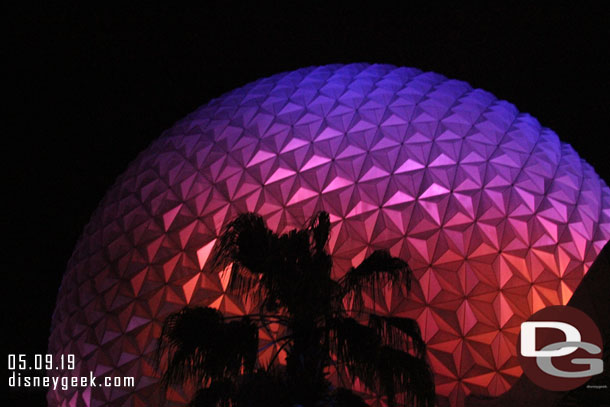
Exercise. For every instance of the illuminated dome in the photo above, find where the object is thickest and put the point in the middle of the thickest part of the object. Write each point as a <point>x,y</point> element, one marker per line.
<point>495,215</point>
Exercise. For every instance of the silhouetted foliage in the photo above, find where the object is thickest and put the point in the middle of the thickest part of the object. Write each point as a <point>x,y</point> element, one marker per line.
<point>290,276</point>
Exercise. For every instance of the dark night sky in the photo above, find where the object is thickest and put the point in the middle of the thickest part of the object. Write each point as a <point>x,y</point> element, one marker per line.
<point>90,88</point>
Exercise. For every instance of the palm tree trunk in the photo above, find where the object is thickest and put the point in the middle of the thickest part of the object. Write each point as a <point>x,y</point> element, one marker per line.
<point>306,363</point>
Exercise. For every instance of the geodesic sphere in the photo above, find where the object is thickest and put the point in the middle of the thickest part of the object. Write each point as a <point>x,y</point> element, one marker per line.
<point>495,215</point>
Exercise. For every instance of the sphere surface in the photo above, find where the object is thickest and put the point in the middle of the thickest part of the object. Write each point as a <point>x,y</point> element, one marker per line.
<point>495,215</point>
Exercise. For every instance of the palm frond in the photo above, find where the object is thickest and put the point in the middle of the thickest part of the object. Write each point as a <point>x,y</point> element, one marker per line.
<point>343,397</point>
<point>375,271</point>
<point>219,393</point>
<point>319,228</point>
<point>284,270</point>
<point>381,367</point>
<point>244,283</point>
<point>201,345</point>
<point>248,249</point>
<point>399,333</point>
<point>263,388</point>
<point>402,374</point>
<point>246,241</point>
<point>355,347</point>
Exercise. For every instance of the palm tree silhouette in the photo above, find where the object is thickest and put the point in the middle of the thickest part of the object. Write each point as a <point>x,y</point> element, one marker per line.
<point>289,275</point>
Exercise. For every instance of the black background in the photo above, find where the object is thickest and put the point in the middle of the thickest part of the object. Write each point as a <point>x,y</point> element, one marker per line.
<point>88,89</point>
